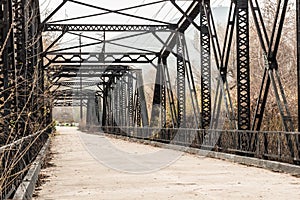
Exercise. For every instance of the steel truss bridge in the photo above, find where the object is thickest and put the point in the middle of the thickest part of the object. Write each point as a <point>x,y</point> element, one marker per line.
<point>109,85</point>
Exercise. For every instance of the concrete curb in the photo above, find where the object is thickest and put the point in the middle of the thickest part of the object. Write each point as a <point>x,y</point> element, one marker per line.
<point>254,162</point>
<point>26,188</point>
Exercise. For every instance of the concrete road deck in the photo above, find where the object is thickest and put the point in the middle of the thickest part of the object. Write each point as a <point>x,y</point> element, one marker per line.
<point>79,174</point>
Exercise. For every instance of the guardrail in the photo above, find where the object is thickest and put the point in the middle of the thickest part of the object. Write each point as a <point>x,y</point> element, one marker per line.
<point>278,146</point>
<point>16,158</point>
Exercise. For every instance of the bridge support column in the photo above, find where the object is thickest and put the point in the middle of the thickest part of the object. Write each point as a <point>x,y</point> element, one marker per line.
<point>181,86</point>
<point>104,107</point>
<point>142,110</point>
<point>116,103</point>
<point>158,115</point>
<point>243,62</point>
<point>110,107</point>
<point>91,113</point>
<point>97,110</point>
<point>107,112</point>
<point>123,101</point>
<point>205,71</point>
<point>100,109</point>
<point>88,113</point>
<point>130,99</point>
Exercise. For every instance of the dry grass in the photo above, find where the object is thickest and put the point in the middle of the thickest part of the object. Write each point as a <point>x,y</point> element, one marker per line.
<point>44,175</point>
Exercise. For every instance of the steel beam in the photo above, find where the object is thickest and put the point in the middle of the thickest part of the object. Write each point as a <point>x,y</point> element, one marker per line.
<point>67,104</point>
<point>107,28</point>
<point>221,60</point>
<point>169,92</point>
<point>182,25</point>
<point>181,86</point>
<point>243,65</point>
<point>205,71</point>
<point>130,90</point>
<point>158,114</point>
<point>98,58</point>
<point>79,83</point>
<point>142,111</point>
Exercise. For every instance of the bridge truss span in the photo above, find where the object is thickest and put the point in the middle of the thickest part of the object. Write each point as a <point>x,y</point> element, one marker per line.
<point>160,70</point>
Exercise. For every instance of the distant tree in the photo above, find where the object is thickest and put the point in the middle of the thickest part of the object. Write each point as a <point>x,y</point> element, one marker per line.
<point>286,61</point>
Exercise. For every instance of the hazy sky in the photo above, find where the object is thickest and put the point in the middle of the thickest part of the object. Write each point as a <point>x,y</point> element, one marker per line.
<point>71,9</point>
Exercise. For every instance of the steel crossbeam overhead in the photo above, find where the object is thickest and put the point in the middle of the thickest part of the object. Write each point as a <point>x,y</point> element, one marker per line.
<point>91,73</point>
<point>71,98</point>
<point>69,92</point>
<point>79,83</point>
<point>68,104</point>
<point>107,28</point>
<point>94,69</point>
<point>87,74</point>
<point>99,58</point>
<point>84,71</point>
<point>77,67</point>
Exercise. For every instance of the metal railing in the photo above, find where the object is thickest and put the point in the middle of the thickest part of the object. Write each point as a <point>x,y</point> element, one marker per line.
<point>16,158</point>
<point>279,146</point>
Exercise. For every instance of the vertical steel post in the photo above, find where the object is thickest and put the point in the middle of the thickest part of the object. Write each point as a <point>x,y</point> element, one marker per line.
<point>158,115</point>
<point>88,113</point>
<point>130,99</point>
<point>181,86</point>
<point>205,71</point>
<point>142,104</point>
<point>104,107</point>
<point>81,100</point>
<point>243,62</point>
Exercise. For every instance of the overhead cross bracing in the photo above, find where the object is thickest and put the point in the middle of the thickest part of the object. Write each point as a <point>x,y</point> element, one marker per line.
<point>175,104</point>
<point>107,28</point>
<point>162,32</point>
<point>167,69</point>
